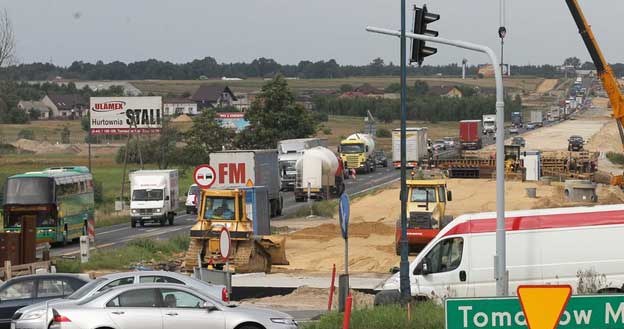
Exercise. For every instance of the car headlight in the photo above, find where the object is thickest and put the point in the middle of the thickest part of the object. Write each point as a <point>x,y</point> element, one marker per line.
<point>33,315</point>
<point>134,211</point>
<point>157,210</point>
<point>285,321</point>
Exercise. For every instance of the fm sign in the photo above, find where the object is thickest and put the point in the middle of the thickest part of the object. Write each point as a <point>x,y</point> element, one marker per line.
<point>231,173</point>
<point>235,169</point>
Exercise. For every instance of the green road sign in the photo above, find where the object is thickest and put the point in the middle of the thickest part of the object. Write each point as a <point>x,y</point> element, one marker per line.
<point>582,312</point>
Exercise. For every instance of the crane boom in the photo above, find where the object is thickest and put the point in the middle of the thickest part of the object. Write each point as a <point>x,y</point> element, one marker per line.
<point>605,73</point>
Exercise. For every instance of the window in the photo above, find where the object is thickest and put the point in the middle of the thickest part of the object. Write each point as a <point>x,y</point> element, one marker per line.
<point>442,194</point>
<point>118,282</point>
<point>53,288</point>
<point>158,279</point>
<point>135,298</point>
<point>446,255</point>
<point>86,289</point>
<point>180,299</point>
<point>219,208</point>
<point>18,290</point>
<point>423,194</point>
<point>147,195</point>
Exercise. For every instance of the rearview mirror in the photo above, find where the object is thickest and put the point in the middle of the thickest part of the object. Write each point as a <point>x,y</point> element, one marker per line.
<point>449,196</point>
<point>395,269</point>
<point>424,267</point>
<point>209,306</point>
<point>167,198</point>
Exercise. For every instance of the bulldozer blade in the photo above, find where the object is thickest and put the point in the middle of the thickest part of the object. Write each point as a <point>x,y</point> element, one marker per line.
<point>276,247</point>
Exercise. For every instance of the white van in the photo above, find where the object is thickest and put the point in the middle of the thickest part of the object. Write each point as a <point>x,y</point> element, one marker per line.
<point>544,246</point>
<point>154,196</point>
<point>191,199</point>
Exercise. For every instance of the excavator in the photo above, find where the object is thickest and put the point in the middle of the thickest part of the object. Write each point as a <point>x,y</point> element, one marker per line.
<point>605,73</point>
<point>244,212</point>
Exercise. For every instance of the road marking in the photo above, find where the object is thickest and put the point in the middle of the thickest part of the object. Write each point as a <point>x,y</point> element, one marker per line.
<point>112,231</point>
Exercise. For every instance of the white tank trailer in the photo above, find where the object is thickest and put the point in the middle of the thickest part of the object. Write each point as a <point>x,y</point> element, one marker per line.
<point>320,172</point>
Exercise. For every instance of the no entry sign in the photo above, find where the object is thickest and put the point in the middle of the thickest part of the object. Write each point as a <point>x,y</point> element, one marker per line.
<point>204,176</point>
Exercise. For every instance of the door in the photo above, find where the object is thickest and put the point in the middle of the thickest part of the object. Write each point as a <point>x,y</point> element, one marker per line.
<point>443,272</point>
<point>14,296</point>
<point>136,309</point>
<point>183,309</point>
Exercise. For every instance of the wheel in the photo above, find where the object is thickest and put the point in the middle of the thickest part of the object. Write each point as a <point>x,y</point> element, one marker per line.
<point>133,223</point>
<point>163,220</point>
<point>188,211</point>
<point>385,164</point>
<point>171,218</point>
<point>250,326</point>
<point>142,223</point>
<point>387,297</point>
<point>65,240</point>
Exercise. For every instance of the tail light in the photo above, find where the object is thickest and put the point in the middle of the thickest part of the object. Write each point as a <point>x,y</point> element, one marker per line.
<point>59,318</point>
<point>224,295</point>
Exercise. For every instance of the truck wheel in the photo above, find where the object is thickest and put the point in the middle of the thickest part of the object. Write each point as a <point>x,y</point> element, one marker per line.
<point>273,208</point>
<point>387,297</point>
<point>171,218</point>
<point>133,223</point>
<point>163,220</point>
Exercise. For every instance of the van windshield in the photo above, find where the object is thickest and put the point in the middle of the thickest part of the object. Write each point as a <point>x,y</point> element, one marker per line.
<point>147,195</point>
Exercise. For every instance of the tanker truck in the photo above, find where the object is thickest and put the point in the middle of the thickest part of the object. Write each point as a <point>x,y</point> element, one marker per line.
<point>357,152</point>
<point>320,171</point>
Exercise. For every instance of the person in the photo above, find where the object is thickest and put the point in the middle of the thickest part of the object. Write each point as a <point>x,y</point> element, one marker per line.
<point>225,210</point>
<point>352,170</point>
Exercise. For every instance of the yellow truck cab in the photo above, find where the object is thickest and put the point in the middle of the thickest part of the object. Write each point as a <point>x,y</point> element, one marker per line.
<point>426,212</point>
<point>356,152</point>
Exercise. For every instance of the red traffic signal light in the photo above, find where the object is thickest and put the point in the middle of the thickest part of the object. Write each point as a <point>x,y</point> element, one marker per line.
<point>419,50</point>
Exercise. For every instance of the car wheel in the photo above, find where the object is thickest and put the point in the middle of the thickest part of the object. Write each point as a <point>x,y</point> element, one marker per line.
<point>133,223</point>
<point>250,326</point>
<point>171,218</point>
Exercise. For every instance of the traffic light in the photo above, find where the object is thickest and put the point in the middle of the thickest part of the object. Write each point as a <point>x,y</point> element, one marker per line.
<point>419,50</point>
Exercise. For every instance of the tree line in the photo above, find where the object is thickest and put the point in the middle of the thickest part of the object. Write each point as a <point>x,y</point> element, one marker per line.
<point>209,68</point>
<point>420,106</point>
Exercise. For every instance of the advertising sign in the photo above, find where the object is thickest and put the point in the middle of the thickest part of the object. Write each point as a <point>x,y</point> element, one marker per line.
<point>233,120</point>
<point>121,115</point>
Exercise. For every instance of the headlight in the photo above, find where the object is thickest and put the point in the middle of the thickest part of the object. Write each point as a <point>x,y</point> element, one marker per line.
<point>134,211</point>
<point>33,315</point>
<point>157,210</point>
<point>284,321</point>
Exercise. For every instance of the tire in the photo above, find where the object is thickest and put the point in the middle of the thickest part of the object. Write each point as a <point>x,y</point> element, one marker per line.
<point>133,223</point>
<point>142,223</point>
<point>171,218</point>
<point>249,326</point>
<point>299,199</point>
<point>163,220</point>
<point>387,297</point>
<point>65,241</point>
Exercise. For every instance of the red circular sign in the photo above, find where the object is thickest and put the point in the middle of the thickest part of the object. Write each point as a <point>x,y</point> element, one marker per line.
<point>204,176</point>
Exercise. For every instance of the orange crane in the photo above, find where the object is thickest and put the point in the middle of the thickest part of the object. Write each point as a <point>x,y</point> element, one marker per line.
<point>609,81</point>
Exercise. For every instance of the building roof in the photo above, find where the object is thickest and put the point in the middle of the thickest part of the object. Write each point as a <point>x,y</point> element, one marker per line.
<point>441,90</point>
<point>68,102</point>
<point>210,94</point>
<point>30,105</point>
<point>178,101</point>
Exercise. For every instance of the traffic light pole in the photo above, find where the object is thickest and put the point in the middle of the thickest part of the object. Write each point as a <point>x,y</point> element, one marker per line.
<point>502,285</point>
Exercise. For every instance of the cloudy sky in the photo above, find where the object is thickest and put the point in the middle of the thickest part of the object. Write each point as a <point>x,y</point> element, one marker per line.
<point>61,31</point>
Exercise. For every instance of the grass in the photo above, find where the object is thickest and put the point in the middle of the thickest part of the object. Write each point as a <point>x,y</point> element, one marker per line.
<point>325,208</point>
<point>140,251</point>
<point>254,84</point>
<point>426,315</point>
<point>616,158</point>
<point>44,131</point>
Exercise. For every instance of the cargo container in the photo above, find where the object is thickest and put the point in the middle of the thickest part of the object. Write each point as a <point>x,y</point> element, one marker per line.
<point>416,147</point>
<point>470,134</point>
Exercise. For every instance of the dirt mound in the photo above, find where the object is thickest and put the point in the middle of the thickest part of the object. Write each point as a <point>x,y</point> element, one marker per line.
<point>326,232</point>
<point>547,85</point>
<point>43,147</point>
<point>306,298</point>
<point>182,118</point>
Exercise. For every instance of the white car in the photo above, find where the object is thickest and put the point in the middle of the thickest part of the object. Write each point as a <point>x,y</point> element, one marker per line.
<point>191,199</point>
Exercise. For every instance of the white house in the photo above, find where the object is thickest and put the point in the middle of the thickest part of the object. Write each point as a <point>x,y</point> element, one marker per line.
<point>177,106</point>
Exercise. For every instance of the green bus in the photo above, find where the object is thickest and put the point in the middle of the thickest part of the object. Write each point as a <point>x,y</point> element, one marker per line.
<point>59,199</point>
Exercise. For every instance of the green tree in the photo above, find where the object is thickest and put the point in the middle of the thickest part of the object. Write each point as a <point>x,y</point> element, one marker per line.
<point>420,88</point>
<point>572,61</point>
<point>345,87</point>
<point>274,116</point>
<point>206,135</point>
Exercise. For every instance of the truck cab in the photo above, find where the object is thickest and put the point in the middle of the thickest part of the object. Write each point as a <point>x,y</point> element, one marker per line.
<point>288,172</point>
<point>355,154</point>
<point>426,209</point>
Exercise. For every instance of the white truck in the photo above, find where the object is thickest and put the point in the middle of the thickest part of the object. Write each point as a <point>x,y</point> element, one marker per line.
<point>416,146</point>
<point>319,172</point>
<point>289,152</point>
<point>544,246</point>
<point>489,124</point>
<point>537,118</point>
<point>247,168</point>
<point>154,196</point>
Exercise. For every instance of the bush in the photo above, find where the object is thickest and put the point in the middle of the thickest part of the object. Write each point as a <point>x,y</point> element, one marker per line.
<point>426,315</point>
<point>327,131</point>
<point>98,192</point>
<point>26,134</point>
<point>7,149</point>
<point>325,208</point>
<point>616,158</point>
<point>383,133</point>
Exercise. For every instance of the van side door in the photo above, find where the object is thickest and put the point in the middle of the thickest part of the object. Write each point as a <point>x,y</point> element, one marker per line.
<point>443,272</point>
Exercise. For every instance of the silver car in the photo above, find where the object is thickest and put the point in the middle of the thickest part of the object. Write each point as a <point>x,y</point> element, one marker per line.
<point>163,306</point>
<point>34,316</point>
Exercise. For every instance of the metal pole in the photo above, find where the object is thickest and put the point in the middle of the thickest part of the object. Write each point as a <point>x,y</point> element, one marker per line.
<point>346,255</point>
<point>501,267</point>
<point>404,264</point>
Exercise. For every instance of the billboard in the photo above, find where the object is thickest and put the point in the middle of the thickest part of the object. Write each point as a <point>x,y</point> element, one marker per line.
<point>121,115</point>
<point>234,120</point>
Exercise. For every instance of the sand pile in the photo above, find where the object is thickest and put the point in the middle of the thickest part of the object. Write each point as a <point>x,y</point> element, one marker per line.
<point>306,298</point>
<point>182,118</point>
<point>547,85</point>
<point>43,147</point>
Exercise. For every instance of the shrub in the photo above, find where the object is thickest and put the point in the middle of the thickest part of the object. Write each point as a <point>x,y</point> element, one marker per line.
<point>26,134</point>
<point>616,158</point>
<point>327,131</point>
<point>383,133</point>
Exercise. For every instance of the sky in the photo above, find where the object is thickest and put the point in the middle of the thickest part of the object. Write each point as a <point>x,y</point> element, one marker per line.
<point>62,31</point>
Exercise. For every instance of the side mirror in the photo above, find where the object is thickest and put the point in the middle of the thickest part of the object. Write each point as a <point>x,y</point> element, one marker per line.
<point>367,148</point>
<point>167,198</point>
<point>425,266</point>
<point>208,306</point>
<point>338,149</point>
<point>395,269</point>
<point>449,196</point>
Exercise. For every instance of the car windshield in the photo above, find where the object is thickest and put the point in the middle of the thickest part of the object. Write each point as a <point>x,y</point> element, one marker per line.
<point>423,194</point>
<point>352,148</point>
<point>86,289</point>
<point>194,189</point>
<point>147,195</point>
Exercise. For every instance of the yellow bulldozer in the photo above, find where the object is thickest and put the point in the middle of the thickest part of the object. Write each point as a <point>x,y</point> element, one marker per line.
<point>245,213</point>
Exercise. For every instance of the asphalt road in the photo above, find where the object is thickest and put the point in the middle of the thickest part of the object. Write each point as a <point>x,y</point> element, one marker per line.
<point>118,235</point>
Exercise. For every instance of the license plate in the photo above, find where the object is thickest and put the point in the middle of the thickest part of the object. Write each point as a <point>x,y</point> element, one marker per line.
<point>146,217</point>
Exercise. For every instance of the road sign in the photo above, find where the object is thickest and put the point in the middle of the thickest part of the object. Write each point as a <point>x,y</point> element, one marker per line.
<point>225,243</point>
<point>543,305</point>
<point>582,312</point>
<point>343,212</point>
<point>204,176</point>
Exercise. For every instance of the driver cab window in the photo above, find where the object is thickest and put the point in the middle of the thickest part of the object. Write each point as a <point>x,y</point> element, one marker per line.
<point>219,208</point>
<point>446,255</point>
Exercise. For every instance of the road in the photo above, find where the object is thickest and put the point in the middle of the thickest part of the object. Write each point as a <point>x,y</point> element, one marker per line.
<point>118,235</point>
